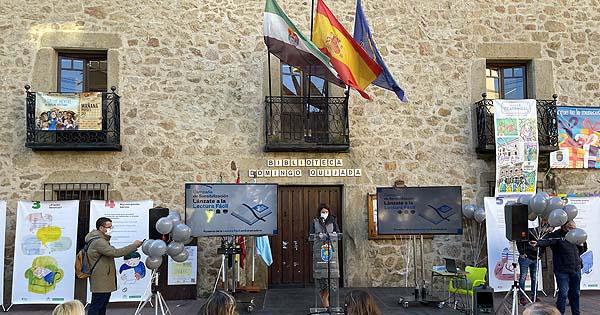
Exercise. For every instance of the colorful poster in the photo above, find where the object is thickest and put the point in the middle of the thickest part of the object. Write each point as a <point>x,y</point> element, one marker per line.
<point>587,218</point>
<point>578,132</point>
<point>501,253</point>
<point>515,123</point>
<point>68,111</point>
<point>130,222</point>
<point>44,260</point>
<point>184,273</point>
<point>2,236</point>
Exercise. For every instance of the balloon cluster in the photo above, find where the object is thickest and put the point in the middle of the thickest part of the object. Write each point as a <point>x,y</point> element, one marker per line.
<point>474,212</point>
<point>555,211</point>
<point>180,235</point>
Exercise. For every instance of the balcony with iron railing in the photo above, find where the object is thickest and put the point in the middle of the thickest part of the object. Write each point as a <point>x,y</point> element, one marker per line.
<point>106,139</point>
<point>546,123</point>
<point>309,124</point>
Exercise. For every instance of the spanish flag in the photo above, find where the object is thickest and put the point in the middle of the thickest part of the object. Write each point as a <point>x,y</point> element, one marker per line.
<point>352,63</point>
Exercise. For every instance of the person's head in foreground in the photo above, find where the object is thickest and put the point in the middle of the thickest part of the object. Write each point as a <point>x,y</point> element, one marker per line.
<point>540,308</point>
<point>219,303</point>
<point>69,308</point>
<point>360,302</point>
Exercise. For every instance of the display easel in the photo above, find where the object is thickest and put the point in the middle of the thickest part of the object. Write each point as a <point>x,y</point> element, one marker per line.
<point>228,248</point>
<point>420,293</point>
<point>326,266</point>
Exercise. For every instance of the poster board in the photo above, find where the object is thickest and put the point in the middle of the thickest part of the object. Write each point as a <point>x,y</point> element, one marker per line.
<point>500,252</point>
<point>44,257</point>
<point>130,221</point>
<point>578,137</point>
<point>2,244</point>
<point>231,209</point>
<point>419,210</point>
<point>517,148</point>
<point>184,273</point>
<point>588,219</point>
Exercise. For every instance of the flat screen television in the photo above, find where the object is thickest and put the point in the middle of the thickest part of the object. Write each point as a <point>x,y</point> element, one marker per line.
<point>231,209</point>
<point>419,210</point>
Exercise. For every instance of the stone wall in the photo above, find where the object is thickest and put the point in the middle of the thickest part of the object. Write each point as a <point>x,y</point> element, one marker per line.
<point>192,79</point>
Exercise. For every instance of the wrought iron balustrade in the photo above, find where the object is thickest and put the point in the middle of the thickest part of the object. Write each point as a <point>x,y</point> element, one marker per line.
<point>311,124</point>
<point>546,123</point>
<point>107,139</point>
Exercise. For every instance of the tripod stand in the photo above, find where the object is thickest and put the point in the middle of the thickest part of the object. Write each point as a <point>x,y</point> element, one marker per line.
<point>159,301</point>
<point>515,288</point>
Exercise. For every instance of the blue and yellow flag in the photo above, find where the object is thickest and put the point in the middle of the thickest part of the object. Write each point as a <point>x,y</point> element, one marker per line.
<point>363,36</point>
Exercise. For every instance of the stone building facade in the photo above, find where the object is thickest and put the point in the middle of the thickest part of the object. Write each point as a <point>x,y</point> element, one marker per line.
<point>193,76</point>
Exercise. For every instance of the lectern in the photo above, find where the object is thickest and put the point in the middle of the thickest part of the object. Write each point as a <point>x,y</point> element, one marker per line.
<point>326,270</point>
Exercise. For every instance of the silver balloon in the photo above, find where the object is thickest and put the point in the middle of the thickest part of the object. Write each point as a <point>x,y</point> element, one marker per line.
<point>543,194</point>
<point>571,211</point>
<point>188,241</point>
<point>524,199</point>
<point>537,203</point>
<point>164,225</point>
<point>181,232</point>
<point>175,248</point>
<point>181,257</point>
<point>158,248</point>
<point>508,203</point>
<point>479,215</point>
<point>576,236</point>
<point>468,211</point>
<point>153,262</point>
<point>146,247</point>
<point>546,213</point>
<point>532,216</point>
<point>555,203</point>
<point>557,217</point>
<point>174,217</point>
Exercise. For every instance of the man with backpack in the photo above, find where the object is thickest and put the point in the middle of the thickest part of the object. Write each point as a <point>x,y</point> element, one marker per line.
<point>103,278</point>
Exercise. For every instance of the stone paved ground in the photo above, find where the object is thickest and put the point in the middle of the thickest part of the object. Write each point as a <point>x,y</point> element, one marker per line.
<point>297,301</point>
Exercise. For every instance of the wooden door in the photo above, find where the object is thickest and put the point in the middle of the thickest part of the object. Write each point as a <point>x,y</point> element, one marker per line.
<point>292,261</point>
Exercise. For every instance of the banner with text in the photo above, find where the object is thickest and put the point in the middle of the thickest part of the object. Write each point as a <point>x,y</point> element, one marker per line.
<point>68,111</point>
<point>500,249</point>
<point>515,123</point>
<point>45,240</point>
<point>578,133</point>
<point>588,219</point>
<point>130,221</point>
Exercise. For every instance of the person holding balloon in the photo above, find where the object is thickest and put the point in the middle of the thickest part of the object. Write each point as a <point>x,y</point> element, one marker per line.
<point>567,244</point>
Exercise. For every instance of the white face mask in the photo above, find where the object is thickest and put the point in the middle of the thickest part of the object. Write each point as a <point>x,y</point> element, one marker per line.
<point>324,216</point>
<point>108,231</point>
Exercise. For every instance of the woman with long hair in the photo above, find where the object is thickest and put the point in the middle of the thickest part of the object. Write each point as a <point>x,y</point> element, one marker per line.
<point>360,302</point>
<point>219,303</point>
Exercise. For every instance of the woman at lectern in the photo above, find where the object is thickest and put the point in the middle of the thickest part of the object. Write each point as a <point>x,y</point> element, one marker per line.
<point>325,223</point>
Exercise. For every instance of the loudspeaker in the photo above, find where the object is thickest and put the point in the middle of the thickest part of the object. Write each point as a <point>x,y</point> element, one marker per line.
<point>516,222</point>
<point>483,300</point>
<point>155,214</point>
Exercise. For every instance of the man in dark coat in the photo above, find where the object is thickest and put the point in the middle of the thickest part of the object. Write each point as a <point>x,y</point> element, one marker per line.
<point>567,266</point>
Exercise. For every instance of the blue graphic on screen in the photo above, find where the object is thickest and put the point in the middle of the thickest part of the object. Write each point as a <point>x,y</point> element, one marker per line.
<point>419,210</point>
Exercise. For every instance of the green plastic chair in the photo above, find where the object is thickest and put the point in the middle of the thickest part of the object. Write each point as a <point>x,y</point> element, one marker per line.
<point>475,277</point>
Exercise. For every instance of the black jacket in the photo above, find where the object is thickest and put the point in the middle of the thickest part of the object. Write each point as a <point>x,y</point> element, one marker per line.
<point>565,255</point>
<point>526,249</point>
